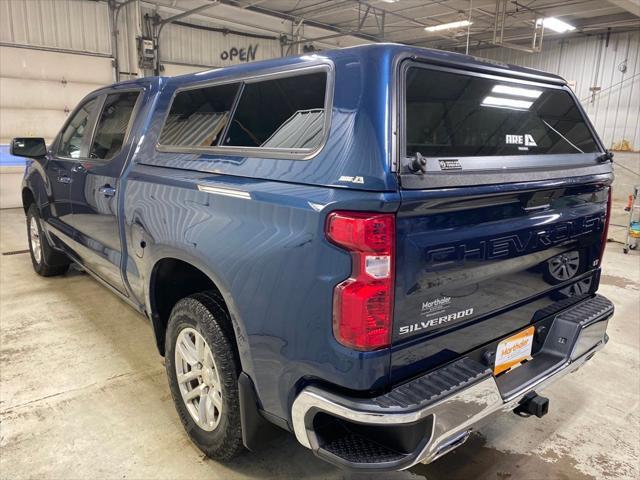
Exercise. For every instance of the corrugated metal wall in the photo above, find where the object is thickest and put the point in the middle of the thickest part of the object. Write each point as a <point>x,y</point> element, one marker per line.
<point>65,24</point>
<point>128,31</point>
<point>609,62</point>
<point>184,45</point>
<point>52,53</point>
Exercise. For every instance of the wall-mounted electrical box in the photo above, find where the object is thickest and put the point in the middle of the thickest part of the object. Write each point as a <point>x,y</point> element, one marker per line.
<point>146,52</point>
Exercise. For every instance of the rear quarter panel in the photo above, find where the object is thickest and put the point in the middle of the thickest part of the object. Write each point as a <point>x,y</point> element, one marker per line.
<point>262,243</point>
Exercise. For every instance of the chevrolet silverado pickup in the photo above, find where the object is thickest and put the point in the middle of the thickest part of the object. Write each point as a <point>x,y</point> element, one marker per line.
<point>376,248</point>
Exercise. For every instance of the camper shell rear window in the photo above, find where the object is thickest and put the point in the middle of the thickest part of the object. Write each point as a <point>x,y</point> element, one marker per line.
<point>454,114</point>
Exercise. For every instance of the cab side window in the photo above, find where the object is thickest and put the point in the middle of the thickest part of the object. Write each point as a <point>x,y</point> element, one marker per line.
<point>113,125</point>
<point>71,141</point>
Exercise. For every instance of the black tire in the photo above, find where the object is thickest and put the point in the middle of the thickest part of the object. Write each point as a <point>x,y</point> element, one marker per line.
<point>51,262</point>
<point>204,313</point>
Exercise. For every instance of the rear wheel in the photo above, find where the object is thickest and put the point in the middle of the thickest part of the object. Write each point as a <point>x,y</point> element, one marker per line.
<point>203,374</point>
<point>46,261</point>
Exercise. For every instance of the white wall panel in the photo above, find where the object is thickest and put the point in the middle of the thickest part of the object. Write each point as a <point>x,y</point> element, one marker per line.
<point>38,88</point>
<point>594,62</point>
<point>66,24</point>
<point>172,70</point>
<point>44,65</point>
<point>201,47</point>
<point>41,94</point>
<point>27,122</point>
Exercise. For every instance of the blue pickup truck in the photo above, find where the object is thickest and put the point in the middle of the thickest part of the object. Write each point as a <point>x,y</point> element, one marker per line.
<point>376,248</point>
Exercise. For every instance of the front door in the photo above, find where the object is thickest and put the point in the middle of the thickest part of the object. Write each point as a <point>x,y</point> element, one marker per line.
<point>70,146</point>
<point>94,189</point>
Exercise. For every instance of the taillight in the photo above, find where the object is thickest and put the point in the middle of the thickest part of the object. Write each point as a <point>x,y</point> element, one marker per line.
<point>605,231</point>
<point>363,304</point>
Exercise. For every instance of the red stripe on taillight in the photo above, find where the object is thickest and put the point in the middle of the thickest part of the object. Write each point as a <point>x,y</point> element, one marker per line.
<point>363,304</point>
<point>605,231</point>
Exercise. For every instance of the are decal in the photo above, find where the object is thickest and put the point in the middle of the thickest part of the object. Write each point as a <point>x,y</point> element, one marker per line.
<point>526,140</point>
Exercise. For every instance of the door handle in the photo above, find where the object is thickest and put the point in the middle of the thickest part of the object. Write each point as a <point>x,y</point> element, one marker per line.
<point>79,168</point>
<point>64,179</point>
<point>107,190</point>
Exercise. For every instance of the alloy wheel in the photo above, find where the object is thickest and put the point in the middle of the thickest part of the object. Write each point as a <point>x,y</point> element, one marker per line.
<point>198,379</point>
<point>34,235</point>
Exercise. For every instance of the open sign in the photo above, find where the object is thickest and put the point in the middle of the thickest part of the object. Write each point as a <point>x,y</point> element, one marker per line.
<point>243,54</point>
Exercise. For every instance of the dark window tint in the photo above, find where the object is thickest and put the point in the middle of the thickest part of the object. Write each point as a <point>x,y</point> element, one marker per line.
<point>280,113</point>
<point>459,115</point>
<point>71,142</point>
<point>198,117</point>
<point>113,124</point>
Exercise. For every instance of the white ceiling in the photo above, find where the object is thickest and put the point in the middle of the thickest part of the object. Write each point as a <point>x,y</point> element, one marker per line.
<point>404,21</point>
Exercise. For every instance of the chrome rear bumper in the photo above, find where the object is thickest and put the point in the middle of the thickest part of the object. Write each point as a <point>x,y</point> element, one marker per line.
<point>442,408</point>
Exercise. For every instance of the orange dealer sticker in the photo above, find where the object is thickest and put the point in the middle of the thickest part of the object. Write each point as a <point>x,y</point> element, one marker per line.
<point>513,350</point>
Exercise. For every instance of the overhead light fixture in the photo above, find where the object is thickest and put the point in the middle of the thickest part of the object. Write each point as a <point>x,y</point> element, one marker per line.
<point>448,26</point>
<point>506,103</point>
<point>517,91</point>
<point>555,24</point>
<point>390,1</point>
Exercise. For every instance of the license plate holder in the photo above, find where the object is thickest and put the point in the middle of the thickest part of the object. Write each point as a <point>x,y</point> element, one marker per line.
<point>513,350</point>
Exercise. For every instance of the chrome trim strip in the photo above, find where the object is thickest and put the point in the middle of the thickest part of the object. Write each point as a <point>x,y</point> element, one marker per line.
<point>228,192</point>
<point>452,416</point>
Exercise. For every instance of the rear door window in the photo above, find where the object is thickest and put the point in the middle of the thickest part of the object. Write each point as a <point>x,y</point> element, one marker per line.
<point>453,114</point>
<point>113,125</point>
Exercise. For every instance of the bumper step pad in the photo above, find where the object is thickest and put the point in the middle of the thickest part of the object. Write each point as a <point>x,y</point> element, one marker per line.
<point>361,450</point>
<point>433,386</point>
<point>346,444</point>
<point>589,311</point>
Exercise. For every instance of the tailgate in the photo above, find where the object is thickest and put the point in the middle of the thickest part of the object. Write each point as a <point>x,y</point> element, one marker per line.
<point>465,257</point>
<point>504,206</point>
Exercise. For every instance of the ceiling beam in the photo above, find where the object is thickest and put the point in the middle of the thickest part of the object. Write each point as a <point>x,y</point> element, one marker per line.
<point>186,13</point>
<point>631,6</point>
<point>516,35</point>
<point>320,9</point>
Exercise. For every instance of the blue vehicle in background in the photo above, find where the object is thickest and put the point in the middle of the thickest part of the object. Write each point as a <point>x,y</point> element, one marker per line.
<point>376,248</point>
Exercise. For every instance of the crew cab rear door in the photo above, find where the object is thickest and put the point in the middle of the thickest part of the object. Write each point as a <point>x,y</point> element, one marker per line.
<point>504,201</point>
<point>94,187</point>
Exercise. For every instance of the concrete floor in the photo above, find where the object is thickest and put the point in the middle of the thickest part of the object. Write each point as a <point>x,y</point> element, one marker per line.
<point>83,394</point>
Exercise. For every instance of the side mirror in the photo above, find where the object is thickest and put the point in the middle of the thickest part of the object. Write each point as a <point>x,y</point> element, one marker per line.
<point>28,147</point>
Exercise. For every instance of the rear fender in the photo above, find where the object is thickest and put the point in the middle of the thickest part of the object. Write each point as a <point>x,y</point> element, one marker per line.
<point>157,252</point>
